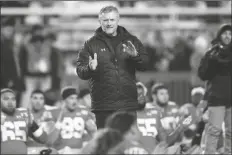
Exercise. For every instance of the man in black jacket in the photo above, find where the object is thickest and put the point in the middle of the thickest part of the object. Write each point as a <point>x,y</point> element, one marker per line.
<point>10,69</point>
<point>109,60</point>
<point>215,69</point>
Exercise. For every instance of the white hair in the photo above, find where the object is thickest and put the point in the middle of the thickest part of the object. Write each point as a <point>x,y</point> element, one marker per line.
<point>107,9</point>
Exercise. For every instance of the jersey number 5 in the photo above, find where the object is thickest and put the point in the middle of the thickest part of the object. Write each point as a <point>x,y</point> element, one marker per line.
<point>72,127</point>
<point>147,127</point>
<point>14,131</point>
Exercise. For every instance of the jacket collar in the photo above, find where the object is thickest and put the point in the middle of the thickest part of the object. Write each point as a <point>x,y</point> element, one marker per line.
<point>123,35</point>
<point>121,32</point>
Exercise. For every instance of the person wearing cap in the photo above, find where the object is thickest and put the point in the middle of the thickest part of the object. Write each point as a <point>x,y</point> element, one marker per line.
<point>215,70</point>
<point>73,122</point>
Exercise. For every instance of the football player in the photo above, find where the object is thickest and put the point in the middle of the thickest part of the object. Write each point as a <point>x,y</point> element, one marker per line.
<point>41,115</point>
<point>126,123</point>
<point>195,110</point>
<point>17,124</point>
<point>168,109</point>
<point>149,124</point>
<point>72,123</point>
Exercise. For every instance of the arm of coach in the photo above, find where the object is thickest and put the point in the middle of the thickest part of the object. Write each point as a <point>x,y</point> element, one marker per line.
<point>83,70</point>
<point>141,61</point>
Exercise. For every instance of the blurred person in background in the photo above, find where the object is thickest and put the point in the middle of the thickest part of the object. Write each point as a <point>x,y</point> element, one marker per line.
<point>163,53</point>
<point>109,61</point>
<point>10,69</point>
<point>53,98</point>
<point>149,45</point>
<point>56,71</point>
<point>201,44</point>
<point>40,65</point>
<point>168,109</point>
<point>85,98</point>
<point>103,140</point>
<point>215,69</point>
<point>182,52</point>
<point>126,124</point>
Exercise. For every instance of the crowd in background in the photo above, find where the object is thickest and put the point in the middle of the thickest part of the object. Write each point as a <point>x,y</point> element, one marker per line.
<point>30,60</point>
<point>37,61</point>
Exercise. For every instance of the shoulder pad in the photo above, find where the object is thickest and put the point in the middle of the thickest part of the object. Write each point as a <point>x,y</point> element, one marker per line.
<point>50,107</point>
<point>84,112</point>
<point>186,105</point>
<point>154,111</point>
<point>172,103</point>
<point>174,110</point>
<point>21,109</point>
<point>82,106</point>
<point>149,106</point>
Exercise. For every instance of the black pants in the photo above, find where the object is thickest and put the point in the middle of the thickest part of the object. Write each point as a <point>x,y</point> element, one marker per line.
<point>101,117</point>
<point>200,129</point>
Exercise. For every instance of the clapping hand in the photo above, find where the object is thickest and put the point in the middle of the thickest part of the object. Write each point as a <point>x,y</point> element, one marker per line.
<point>130,49</point>
<point>93,62</point>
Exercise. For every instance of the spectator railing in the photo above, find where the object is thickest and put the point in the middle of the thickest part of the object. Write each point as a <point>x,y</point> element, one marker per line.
<point>123,11</point>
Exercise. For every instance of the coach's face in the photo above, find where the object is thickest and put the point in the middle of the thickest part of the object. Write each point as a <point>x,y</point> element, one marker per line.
<point>109,22</point>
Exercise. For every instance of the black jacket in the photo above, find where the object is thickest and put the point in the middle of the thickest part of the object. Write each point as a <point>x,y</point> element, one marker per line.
<point>113,82</point>
<point>215,69</point>
<point>8,64</point>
